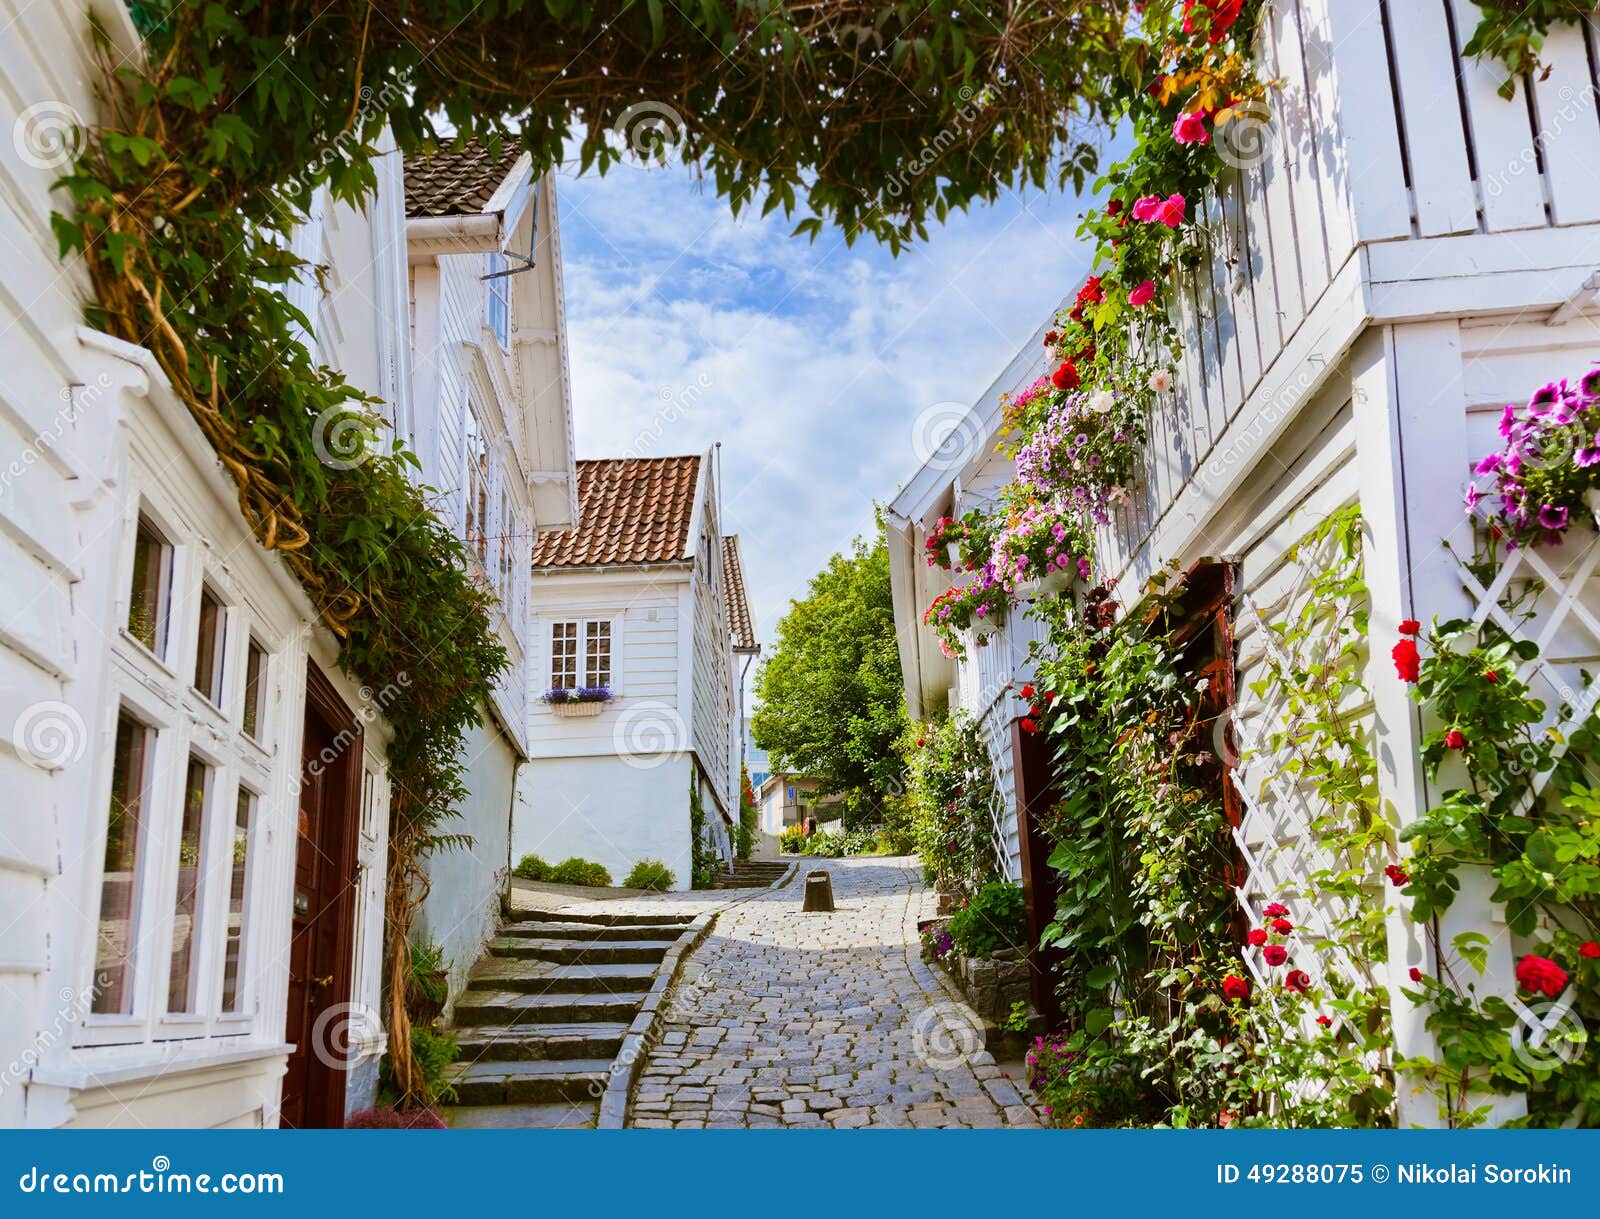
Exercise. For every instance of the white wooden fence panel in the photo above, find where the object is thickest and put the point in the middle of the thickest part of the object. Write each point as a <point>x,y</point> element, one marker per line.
<point>1375,169</point>
<point>1425,63</point>
<point>1509,182</point>
<point>1564,102</point>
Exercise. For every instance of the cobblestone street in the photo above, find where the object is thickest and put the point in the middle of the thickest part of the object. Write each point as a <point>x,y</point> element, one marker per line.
<point>788,1019</point>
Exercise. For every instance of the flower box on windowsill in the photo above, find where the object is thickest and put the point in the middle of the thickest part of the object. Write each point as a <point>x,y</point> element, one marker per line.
<point>573,710</point>
<point>586,700</point>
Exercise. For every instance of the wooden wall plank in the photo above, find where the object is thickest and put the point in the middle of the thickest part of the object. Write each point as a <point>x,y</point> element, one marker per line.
<point>1510,185</point>
<point>1569,130</point>
<point>1375,169</point>
<point>1425,63</point>
<point>1306,150</point>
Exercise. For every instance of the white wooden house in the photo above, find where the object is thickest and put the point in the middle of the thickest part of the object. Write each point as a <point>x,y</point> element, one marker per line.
<point>192,785</point>
<point>644,601</point>
<point>1412,252</point>
<point>492,429</point>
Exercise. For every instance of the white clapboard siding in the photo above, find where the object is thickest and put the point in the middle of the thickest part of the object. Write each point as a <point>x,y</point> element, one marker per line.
<point>1510,186</point>
<point>1425,69</point>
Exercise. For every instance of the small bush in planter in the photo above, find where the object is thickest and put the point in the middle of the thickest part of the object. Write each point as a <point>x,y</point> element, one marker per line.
<point>577,871</point>
<point>650,874</point>
<point>387,1117</point>
<point>429,982</point>
<point>531,867</point>
<point>992,921</point>
<point>792,840</point>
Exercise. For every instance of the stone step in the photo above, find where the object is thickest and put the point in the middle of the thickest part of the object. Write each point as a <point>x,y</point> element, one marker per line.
<point>577,952</point>
<point>537,929</point>
<point>498,974</point>
<point>529,1082</point>
<point>558,1115</point>
<point>608,919</point>
<point>562,1040</point>
<point>478,1008</point>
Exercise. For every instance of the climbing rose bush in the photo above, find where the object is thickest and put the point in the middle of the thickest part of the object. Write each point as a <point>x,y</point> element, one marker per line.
<point>1546,474</point>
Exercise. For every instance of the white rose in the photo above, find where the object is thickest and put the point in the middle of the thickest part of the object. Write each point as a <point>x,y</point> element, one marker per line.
<point>1102,402</point>
<point>1161,380</point>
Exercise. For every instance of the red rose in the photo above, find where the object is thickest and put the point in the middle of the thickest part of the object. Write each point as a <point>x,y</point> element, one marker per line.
<point>1090,293</point>
<point>1407,660</point>
<point>1275,954</point>
<point>1027,692</point>
<point>1221,13</point>
<point>1491,677</point>
<point>1324,1021</point>
<point>1257,936</point>
<point>1114,207</point>
<point>921,741</point>
<point>1416,974</point>
<point>1275,910</point>
<point>1410,626</point>
<point>1297,980</point>
<point>1541,976</point>
<point>1029,727</point>
<point>1235,987</point>
<point>1397,875</point>
<point>1282,926</point>
<point>1589,950</point>
<point>1454,740</point>
<point>1065,377</point>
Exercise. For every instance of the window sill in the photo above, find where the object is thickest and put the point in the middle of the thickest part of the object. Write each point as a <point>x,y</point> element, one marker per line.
<point>82,1071</point>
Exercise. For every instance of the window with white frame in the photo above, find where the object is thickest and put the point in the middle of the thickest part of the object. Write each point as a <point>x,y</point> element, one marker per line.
<point>477,486</point>
<point>580,654</point>
<point>499,303</point>
<point>191,733</point>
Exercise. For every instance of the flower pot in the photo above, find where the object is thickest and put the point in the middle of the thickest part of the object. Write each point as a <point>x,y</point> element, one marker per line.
<point>982,629</point>
<point>574,710</point>
<point>1056,583</point>
<point>1592,498</point>
<point>953,549</point>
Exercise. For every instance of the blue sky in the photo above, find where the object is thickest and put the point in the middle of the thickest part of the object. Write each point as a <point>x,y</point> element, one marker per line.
<point>810,363</point>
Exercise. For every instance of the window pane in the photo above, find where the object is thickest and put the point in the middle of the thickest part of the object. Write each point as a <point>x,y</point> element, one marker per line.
<point>119,885</point>
<point>208,652</point>
<point>255,689</point>
<point>233,951</point>
<point>563,655</point>
<point>147,602</point>
<point>182,985</point>
<point>597,654</point>
<point>499,299</point>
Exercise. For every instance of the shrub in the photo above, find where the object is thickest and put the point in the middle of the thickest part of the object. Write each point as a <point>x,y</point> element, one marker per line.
<point>387,1117</point>
<point>792,840</point>
<point>531,867</point>
<point>993,920</point>
<point>433,1052</point>
<point>650,874</point>
<point>577,871</point>
<point>429,987</point>
<point>842,843</point>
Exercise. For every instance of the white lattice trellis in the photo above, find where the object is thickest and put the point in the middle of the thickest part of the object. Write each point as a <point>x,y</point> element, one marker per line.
<point>1276,837</point>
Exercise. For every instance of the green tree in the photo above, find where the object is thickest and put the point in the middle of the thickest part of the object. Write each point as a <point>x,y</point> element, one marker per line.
<point>831,700</point>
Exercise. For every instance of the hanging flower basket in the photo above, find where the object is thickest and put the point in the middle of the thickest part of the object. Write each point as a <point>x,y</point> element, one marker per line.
<point>574,710</point>
<point>1592,498</point>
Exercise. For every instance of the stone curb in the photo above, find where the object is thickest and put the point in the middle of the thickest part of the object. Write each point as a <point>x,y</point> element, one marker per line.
<point>646,1026</point>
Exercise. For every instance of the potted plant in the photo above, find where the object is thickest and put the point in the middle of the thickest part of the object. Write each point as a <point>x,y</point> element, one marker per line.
<point>964,611</point>
<point>1041,549</point>
<point>428,987</point>
<point>584,700</point>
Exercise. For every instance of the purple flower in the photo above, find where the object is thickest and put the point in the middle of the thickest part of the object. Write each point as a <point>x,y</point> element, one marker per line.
<point>1488,465</point>
<point>1553,517</point>
<point>1508,421</point>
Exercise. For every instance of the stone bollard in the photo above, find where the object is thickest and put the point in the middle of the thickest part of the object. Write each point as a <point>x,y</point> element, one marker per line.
<point>819,893</point>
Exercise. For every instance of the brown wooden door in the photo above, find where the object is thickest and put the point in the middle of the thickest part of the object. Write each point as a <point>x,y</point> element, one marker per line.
<point>324,909</point>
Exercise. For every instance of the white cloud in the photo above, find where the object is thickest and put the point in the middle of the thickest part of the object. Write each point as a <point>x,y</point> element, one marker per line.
<point>808,362</point>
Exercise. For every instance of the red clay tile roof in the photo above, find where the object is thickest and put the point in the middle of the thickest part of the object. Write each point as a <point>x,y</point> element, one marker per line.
<point>457,181</point>
<point>740,623</point>
<point>630,510</point>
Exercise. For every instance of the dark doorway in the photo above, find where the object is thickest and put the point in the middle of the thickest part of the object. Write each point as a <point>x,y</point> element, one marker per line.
<point>324,909</point>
